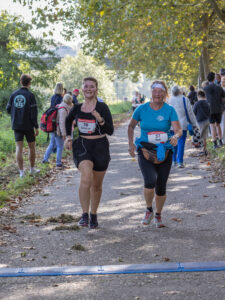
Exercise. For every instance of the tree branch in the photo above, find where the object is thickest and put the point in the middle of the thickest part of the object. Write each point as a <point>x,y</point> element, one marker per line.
<point>218,11</point>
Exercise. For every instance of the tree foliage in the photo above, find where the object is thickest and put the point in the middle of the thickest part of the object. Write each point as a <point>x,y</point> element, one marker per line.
<point>21,53</point>
<point>167,38</point>
<point>71,71</point>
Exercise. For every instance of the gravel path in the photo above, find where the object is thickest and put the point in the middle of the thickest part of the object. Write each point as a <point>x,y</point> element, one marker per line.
<point>194,215</point>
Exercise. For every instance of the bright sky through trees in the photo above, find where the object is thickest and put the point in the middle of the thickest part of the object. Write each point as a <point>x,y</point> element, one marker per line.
<point>18,9</point>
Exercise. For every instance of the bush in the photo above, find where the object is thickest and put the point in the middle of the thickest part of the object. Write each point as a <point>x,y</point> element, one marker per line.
<point>120,108</point>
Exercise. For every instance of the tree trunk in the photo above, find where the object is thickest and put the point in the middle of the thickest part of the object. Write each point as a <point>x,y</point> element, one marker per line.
<point>201,76</point>
<point>204,58</point>
<point>205,61</point>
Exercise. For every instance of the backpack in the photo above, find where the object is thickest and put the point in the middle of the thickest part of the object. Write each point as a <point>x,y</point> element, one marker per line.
<point>48,119</point>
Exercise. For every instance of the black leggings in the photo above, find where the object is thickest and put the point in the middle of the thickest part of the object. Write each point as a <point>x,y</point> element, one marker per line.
<point>155,175</point>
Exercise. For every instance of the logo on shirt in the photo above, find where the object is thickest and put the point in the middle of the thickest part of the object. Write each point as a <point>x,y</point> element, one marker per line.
<point>160,118</point>
<point>19,101</point>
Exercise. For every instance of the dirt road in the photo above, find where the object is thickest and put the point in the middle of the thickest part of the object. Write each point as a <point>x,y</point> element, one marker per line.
<point>194,215</point>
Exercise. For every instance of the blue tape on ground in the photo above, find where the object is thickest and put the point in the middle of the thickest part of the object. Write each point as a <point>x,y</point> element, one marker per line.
<point>114,269</point>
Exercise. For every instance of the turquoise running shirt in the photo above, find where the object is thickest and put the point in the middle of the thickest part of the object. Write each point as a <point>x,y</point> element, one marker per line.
<point>154,123</point>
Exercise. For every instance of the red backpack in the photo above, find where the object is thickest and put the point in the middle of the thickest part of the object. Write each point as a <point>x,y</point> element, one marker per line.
<point>48,121</point>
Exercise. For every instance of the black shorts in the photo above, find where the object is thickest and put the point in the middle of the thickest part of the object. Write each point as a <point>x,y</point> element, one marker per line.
<point>29,134</point>
<point>96,150</point>
<point>215,118</point>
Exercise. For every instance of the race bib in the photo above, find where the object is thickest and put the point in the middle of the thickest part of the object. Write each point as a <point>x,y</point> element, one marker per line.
<point>86,126</point>
<point>157,137</point>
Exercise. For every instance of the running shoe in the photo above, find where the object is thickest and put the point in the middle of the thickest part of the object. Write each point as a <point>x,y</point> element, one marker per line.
<point>34,171</point>
<point>84,220</point>
<point>215,146</point>
<point>158,222</point>
<point>147,217</point>
<point>93,221</point>
<point>221,143</point>
<point>181,165</point>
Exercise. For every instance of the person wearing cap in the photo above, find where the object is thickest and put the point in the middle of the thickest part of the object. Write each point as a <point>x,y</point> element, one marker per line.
<point>75,94</point>
<point>154,147</point>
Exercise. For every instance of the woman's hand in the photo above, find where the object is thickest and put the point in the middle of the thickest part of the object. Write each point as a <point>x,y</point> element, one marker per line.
<point>131,150</point>
<point>68,143</point>
<point>173,140</point>
<point>97,116</point>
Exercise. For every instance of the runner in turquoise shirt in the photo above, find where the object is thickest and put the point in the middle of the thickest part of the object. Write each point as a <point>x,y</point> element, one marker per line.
<point>156,118</point>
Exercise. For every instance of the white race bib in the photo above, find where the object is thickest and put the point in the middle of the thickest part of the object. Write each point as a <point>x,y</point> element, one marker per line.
<point>157,137</point>
<point>86,126</point>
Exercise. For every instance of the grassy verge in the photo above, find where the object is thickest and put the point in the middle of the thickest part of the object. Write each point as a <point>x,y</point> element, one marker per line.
<point>11,185</point>
<point>218,154</point>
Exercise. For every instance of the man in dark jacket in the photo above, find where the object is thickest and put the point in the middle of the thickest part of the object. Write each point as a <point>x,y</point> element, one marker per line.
<point>215,96</point>
<point>22,107</point>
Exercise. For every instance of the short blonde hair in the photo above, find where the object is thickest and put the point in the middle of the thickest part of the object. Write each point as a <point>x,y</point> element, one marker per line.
<point>163,84</point>
<point>68,99</point>
<point>59,88</point>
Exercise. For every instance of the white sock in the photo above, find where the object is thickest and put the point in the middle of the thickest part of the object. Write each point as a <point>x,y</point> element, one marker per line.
<point>32,169</point>
<point>21,172</point>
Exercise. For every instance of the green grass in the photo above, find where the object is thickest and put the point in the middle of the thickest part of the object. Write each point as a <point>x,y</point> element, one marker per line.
<point>3,198</point>
<point>219,152</point>
<point>120,108</point>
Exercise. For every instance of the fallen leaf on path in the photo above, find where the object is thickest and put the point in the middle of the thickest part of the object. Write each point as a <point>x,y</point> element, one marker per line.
<point>176,220</point>
<point>2,243</point>
<point>78,247</point>
<point>208,163</point>
<point>9,228</point>
<point>166,259</point>
<point>30,259</point>
<point>64,227</point>
<point>23,254</point>
<point>205,196</point>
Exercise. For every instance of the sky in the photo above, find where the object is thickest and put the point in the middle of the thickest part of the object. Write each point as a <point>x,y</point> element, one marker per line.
<point>18,9</point>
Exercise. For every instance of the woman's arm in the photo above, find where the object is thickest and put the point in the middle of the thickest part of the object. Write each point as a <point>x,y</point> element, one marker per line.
<point>178,132</point>
<point>191,113</point>
<point>131,127</point>
<point>104,118</point>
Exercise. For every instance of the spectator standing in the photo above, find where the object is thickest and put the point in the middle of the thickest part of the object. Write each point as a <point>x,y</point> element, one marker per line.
<point>22,107</point>
<point>222,124</point>
<point>215,96</point>
<point>202,112</point>
<point>58,94</point>
<point>192,95</point>
<point>135,101</point>
<point>177,102</point>
<point>75,94</point>
<point>217,79</point>
<point>58,137</point>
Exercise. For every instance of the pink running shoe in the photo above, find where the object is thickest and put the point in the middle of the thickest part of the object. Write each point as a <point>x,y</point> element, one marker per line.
<point>158,222</point>
<point>147,218</point>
